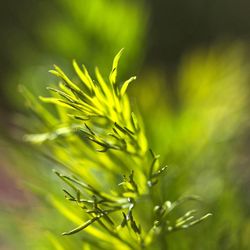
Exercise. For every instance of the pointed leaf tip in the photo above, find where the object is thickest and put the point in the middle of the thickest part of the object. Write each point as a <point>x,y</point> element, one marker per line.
<point>125,85</point>
<point>113,73</point>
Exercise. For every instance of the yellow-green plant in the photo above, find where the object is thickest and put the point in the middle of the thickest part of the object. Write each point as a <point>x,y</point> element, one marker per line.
<point>111,178</point>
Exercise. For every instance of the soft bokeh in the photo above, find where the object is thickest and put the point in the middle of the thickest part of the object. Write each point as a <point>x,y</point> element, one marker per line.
<point>193,87</point>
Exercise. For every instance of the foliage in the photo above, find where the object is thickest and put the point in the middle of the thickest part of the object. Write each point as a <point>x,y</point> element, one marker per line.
<point>94,139</point>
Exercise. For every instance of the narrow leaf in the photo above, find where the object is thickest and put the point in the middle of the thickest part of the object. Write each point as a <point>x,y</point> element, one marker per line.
<point>125,85</point>
<point>81,75</point>
<point>81,227</point>
<point>113,74</point>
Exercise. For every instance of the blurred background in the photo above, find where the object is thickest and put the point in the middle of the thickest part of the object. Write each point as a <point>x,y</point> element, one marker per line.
<point>193,89</point>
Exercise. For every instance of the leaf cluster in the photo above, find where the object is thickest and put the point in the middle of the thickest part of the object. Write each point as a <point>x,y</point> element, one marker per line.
<point>95,139</point>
